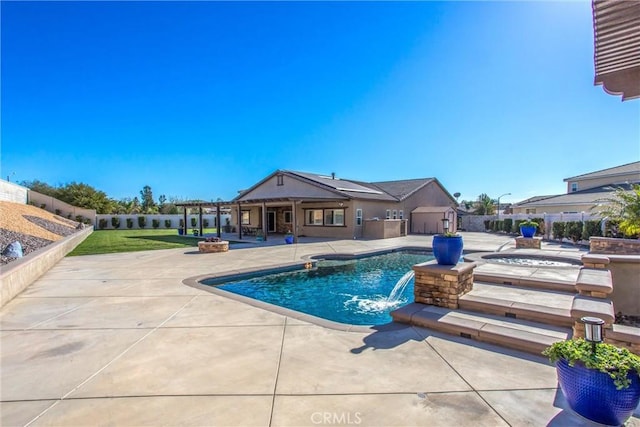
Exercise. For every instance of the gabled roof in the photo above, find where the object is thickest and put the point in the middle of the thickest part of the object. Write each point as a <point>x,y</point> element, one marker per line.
<point>404,188</point>
<point>533,199</point>
<point>585,197</point>
<point>614,171</point>
<point>352,189</point>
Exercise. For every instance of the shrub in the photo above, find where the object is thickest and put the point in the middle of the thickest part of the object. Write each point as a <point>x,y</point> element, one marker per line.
<point>58,211</point>
<point>79,218</point>
<point>142,221</point>
<point>193,222</point>
<point>487,224</point>
<point>43,206</point>
<point>558,228</point>
<point>205,222</point>
<point>115,222</point>
<point>181,223</point>
<point>611,229</point>
<point>573,230</point>
<point>591,228</point>
<point>155,223</point>
<point>508,225</point>
<point>540,222</point>
<point>129,222</point>
<point>167,223</point>
<point>102,223</point>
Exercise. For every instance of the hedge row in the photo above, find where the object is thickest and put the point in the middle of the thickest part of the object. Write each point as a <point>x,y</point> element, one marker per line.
<point>508,225</point>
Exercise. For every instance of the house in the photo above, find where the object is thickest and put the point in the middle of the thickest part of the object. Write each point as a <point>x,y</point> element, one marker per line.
<point>583,191</point>
<point>314,205</point>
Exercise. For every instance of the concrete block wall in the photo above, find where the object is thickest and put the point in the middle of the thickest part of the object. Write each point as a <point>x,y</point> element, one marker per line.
<point>11,192</point>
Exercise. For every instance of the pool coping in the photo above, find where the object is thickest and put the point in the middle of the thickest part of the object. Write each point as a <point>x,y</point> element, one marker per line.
<point>196,282</point>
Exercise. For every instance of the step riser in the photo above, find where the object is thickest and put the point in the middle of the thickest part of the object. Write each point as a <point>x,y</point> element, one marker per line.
<point>526,283</point>
<point>484,336</point>
<point>516,313</point>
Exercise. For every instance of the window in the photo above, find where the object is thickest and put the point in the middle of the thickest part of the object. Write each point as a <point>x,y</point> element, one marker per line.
<point>288,217</point>
<point>334,217</point>
<point>574,186</point>
<point>395,214</point>
<point>401,214</point>
<point>388,214</point>
<point>327,217</point>
<point>246,218</point>
<point>314,217</point>
<point>531,211</point>
<point>358,216</point>
<point>280,179</point>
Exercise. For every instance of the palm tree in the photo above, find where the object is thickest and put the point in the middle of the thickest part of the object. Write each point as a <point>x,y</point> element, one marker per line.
<point>485,205</point>
<point>623,206</point>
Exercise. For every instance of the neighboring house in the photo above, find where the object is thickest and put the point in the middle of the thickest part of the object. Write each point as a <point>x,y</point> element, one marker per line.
<point>583,191</point>
<point>315,205</point>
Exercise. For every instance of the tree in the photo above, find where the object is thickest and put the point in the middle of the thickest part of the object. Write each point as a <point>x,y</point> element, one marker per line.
<point>40,187</point>
<point>485,205</point>
<point>623,206</point>
<point>85,196</point>
<point>147,204</point>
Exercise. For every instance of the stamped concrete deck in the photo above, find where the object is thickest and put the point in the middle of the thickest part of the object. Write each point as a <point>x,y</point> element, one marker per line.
<point>120,340</point>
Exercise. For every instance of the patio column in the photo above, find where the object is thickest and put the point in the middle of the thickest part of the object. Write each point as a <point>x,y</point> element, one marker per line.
<point>218,225</point>
<point>294,221</point>
<point>184,220</point>
<point>200,218</point>
<point>264,221</point>
<point>239,222</point>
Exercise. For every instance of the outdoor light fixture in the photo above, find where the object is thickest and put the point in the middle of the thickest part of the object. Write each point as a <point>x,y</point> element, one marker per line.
<point>592,330</point>
<point>445,225</point>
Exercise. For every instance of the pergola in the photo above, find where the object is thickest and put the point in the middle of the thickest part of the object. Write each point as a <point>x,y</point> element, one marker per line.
<point>616,29</point>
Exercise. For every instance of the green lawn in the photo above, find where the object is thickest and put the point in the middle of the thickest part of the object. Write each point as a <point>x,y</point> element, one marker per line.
<point>112,241</point>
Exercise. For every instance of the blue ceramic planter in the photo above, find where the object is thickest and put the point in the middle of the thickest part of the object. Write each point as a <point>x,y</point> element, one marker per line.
<point>288,239</point>
<point>528,230</point>
<point>593,395</point>
<point>447,250</point>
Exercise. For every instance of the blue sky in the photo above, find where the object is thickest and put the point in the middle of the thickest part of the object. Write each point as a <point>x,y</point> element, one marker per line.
<point>202,99</point>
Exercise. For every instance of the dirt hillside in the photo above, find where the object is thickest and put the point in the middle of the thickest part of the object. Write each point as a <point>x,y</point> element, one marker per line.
<point>33,227</point>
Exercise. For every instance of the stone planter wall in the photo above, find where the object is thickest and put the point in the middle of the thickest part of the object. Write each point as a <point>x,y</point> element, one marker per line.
<point>442,285</point>
<point>608,245</point>
<point>208,247</point>
<point>528,242</point>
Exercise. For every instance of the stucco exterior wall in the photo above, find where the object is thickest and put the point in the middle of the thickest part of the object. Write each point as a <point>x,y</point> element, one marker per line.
<point>585,184</point>
<point>625,272</point>
<point>290,188</point>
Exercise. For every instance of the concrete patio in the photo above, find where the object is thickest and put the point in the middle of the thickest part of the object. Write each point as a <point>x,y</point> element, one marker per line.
<point>120,340</point>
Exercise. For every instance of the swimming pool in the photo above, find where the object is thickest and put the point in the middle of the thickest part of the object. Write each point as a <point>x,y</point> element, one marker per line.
<point>354,291</point>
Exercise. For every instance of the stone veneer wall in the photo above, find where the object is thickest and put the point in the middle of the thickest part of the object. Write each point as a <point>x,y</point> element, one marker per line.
<point>442,285</point>
<point>528,242</point>
<point>607,245</point>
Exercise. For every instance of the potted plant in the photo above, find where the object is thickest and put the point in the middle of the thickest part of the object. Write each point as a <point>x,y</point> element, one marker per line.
<point>288,237</point>
<point>528,228</point>
<point>259,235</point>
<point>600,382</point>
<point>447,248</point>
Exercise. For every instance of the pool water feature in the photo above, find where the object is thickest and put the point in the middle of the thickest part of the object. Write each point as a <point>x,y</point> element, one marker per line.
<point>531,261</point>
<point>354,291</point>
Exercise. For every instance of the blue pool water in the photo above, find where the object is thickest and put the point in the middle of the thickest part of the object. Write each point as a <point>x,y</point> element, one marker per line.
<point>352,291</point>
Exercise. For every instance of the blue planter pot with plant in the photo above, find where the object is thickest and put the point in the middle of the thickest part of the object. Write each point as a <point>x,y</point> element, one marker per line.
<point>288,238</point>
<point>528,228</point>
<point>447,248</point>
<point>603,386</point>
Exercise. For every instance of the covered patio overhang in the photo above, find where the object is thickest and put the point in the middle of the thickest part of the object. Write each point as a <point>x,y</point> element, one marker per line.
<point>263,204</point>
<point>616,29</point>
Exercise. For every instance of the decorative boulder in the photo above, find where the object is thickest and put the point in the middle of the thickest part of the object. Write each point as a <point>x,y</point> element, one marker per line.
<point>13,250</point>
